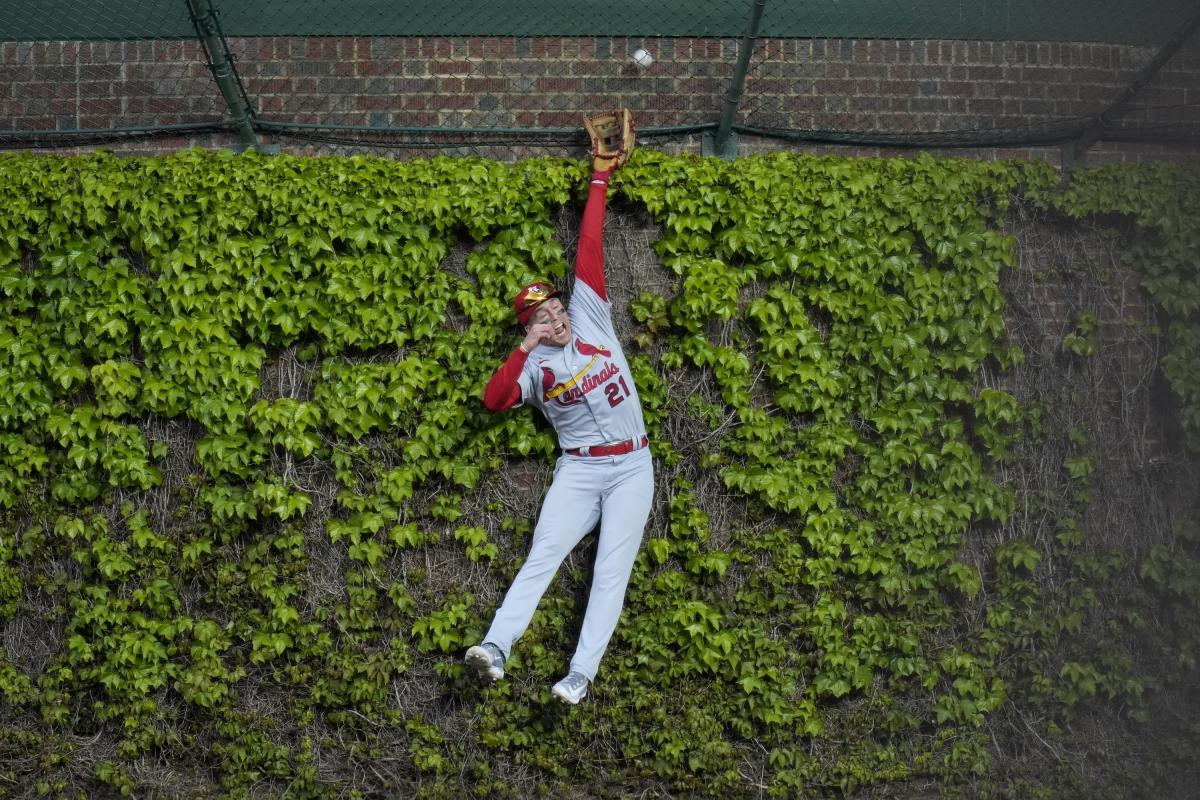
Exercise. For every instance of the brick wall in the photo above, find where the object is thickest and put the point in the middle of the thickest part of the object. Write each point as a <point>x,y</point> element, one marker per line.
<point>889,86</point>
<point>74,85</point>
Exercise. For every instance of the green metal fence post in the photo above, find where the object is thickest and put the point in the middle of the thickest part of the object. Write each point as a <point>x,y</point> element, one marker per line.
<point>220,62</point>
<point>724,142</point>
<point>1074,152</point>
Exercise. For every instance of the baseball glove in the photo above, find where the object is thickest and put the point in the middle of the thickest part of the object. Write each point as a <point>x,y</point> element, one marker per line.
<point>613,138</point>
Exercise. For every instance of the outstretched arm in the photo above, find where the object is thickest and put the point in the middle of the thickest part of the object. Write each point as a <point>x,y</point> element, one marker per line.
<point>589,260</point>
<point>613,139</point>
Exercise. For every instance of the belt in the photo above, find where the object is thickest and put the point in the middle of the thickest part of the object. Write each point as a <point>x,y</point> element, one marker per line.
<point>618,449</point>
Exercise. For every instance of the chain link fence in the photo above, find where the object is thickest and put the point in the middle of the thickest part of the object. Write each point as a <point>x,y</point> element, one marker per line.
<point>151,80</point>
<point>508,80</point>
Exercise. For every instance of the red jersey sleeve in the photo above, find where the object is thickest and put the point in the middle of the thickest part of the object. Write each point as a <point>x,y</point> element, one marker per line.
<point>589,260</point>
<point>504,390</point>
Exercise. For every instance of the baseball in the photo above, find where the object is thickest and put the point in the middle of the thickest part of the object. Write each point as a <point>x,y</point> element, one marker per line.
<point>642,58</point>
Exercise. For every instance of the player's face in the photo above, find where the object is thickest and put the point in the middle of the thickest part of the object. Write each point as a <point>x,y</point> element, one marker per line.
<point>553,313</point>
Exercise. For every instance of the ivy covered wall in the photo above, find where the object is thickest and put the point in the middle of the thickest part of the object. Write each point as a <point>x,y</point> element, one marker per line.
<point>253,509</point>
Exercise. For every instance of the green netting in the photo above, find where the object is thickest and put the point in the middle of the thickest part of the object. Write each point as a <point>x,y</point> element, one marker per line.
<point>1032,20</point>
<point>508,80</point>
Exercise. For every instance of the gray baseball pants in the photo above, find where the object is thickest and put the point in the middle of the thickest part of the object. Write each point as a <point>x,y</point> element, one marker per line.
<point>617,491</point>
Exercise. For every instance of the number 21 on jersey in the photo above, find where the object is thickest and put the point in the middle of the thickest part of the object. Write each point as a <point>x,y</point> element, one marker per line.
<point>616,392</point>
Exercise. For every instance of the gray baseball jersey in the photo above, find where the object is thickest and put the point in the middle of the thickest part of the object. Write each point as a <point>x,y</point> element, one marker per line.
<point>585,389</point>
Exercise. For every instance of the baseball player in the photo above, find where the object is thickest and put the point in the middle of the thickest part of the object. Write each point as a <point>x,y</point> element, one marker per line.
<point>570,366</point>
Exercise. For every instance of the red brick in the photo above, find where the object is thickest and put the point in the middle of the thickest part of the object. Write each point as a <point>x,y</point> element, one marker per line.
<point>836,122</point>
<point>96,72</point>
<point>1094,75</point>
<point>270,86</point>
<point>1062,91</point>
<point>1170,96</point>
<point>29,91</point>
<point>705,86</point>
<point>984,106</point>
<point>928,105</point>
<point>377,102</point>
<point>923,72</point>
<point>479,85</point>
<point>985,73</point>
<point>1095,94</point>
<point>898,87</point>
<point>1038,74</point>
<point>134,88</point>
<point>862,103</point>
<point>956,88</point>
<point>833,86</point>
<point>760,87</point>
<point>860,70</point>
<point>435,47</point>
<point>375,67</point>
<point>557,119</point>
<point>547,48</point>
<point>1037,107</point>
<point>96,105</point>
<point>255,49</point>
<point>11,75</point>
<point>415,86</point>
<point>450,68</point>
<point>39,124</point>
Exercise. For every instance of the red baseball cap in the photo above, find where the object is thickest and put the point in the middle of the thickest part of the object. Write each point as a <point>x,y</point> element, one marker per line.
<point>532,296</point>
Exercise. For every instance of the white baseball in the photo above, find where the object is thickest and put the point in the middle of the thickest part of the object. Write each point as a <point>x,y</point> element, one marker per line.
<point>642,58</point>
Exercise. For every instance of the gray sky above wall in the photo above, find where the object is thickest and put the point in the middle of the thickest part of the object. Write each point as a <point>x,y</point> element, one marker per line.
<point>1117,21</point>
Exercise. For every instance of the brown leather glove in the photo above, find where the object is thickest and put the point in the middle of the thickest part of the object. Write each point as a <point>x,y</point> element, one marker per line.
<point>613,139</point>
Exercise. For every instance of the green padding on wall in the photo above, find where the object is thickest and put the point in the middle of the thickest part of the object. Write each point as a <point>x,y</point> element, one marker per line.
<point>1116,21</point>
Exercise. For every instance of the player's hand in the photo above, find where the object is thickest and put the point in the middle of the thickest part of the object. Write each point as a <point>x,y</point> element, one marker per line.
<point>537,333</point>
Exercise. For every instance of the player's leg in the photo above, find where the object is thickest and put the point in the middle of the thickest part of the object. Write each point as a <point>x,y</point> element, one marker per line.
<point>625,509</point>
<point>570,510</point>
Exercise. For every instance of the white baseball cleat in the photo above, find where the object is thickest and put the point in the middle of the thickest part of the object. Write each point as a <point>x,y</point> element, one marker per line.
<point>487,661</point>
<point>572,688</point>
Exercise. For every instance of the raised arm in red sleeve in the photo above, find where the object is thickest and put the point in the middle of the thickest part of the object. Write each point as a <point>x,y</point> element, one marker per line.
<point>503,390</point>
<point>589,260</point>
